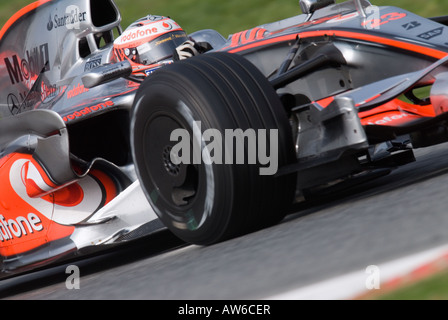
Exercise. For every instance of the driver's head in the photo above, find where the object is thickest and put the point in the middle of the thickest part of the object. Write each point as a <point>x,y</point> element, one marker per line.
<point>149,41</point>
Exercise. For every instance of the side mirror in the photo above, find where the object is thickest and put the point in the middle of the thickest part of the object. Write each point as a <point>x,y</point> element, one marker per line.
<point>106,73</point>
<point>309,6</point>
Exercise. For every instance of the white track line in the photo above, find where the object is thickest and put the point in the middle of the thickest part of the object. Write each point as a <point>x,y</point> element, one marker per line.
<point>352,285</point>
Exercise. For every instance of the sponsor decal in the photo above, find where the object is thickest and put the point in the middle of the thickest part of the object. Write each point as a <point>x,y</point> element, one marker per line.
<point>13,104</point>
<point>76,91</point>
<point>88,110</point>
<point>388,119</point>
<point>138,34</point>
<point>71,19</point>
<point>384,19</point>
<point>27,223</point>
<point>431,34</point>
<point>50,24</point>
<point>120,54</point>
<point>247,36</point>
<point>23,69</point>
<point>93,63</point>
<point>151,71</point>
<point>147,32</point>
<point>411,25</point>
<point>19,227</point>
<point>25,100</point>
<point>17,102</point>
<point>166,25</point>
<point>33,180</point>
<point>48,91</point>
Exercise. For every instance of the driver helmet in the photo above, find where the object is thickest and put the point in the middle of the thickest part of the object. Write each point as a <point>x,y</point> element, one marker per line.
<point>149,43</point>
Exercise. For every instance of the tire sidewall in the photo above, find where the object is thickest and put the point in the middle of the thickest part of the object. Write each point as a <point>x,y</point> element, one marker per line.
<point>213,199</point>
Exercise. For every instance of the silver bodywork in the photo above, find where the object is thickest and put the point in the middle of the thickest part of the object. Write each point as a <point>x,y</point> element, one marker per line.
<point>52,56</point>
<point>44,55</point>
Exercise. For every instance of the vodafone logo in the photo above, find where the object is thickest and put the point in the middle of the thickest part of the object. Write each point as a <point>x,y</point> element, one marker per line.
<point>67,212</point>
<point>21,226</point>
<point>388,119</point>
<point>32,179</point>
<point>76,91</point>
<point>137,36</point>
<point>167,26</point>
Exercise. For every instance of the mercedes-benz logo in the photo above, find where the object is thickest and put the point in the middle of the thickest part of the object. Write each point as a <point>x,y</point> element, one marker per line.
<point>13,104</point>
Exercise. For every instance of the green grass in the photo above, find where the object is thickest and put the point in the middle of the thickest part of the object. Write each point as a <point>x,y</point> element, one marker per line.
<point>228,16</point>
<point>432,288</point>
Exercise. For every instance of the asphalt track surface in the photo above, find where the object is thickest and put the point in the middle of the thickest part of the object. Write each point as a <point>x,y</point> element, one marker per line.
<point>388,218</point>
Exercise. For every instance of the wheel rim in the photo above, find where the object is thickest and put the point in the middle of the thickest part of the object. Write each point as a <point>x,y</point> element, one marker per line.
<point>177,188</point>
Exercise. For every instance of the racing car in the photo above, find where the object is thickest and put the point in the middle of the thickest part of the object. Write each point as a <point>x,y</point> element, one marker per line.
<point>106,136</point>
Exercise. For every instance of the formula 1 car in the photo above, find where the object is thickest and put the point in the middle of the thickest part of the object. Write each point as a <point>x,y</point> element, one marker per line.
<point>106,137</point>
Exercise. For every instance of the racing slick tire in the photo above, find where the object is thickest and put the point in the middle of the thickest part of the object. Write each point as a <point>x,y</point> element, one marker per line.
<point>209,200</point>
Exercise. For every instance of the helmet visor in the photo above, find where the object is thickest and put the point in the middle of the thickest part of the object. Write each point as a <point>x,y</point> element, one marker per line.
<point>161,48</point>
